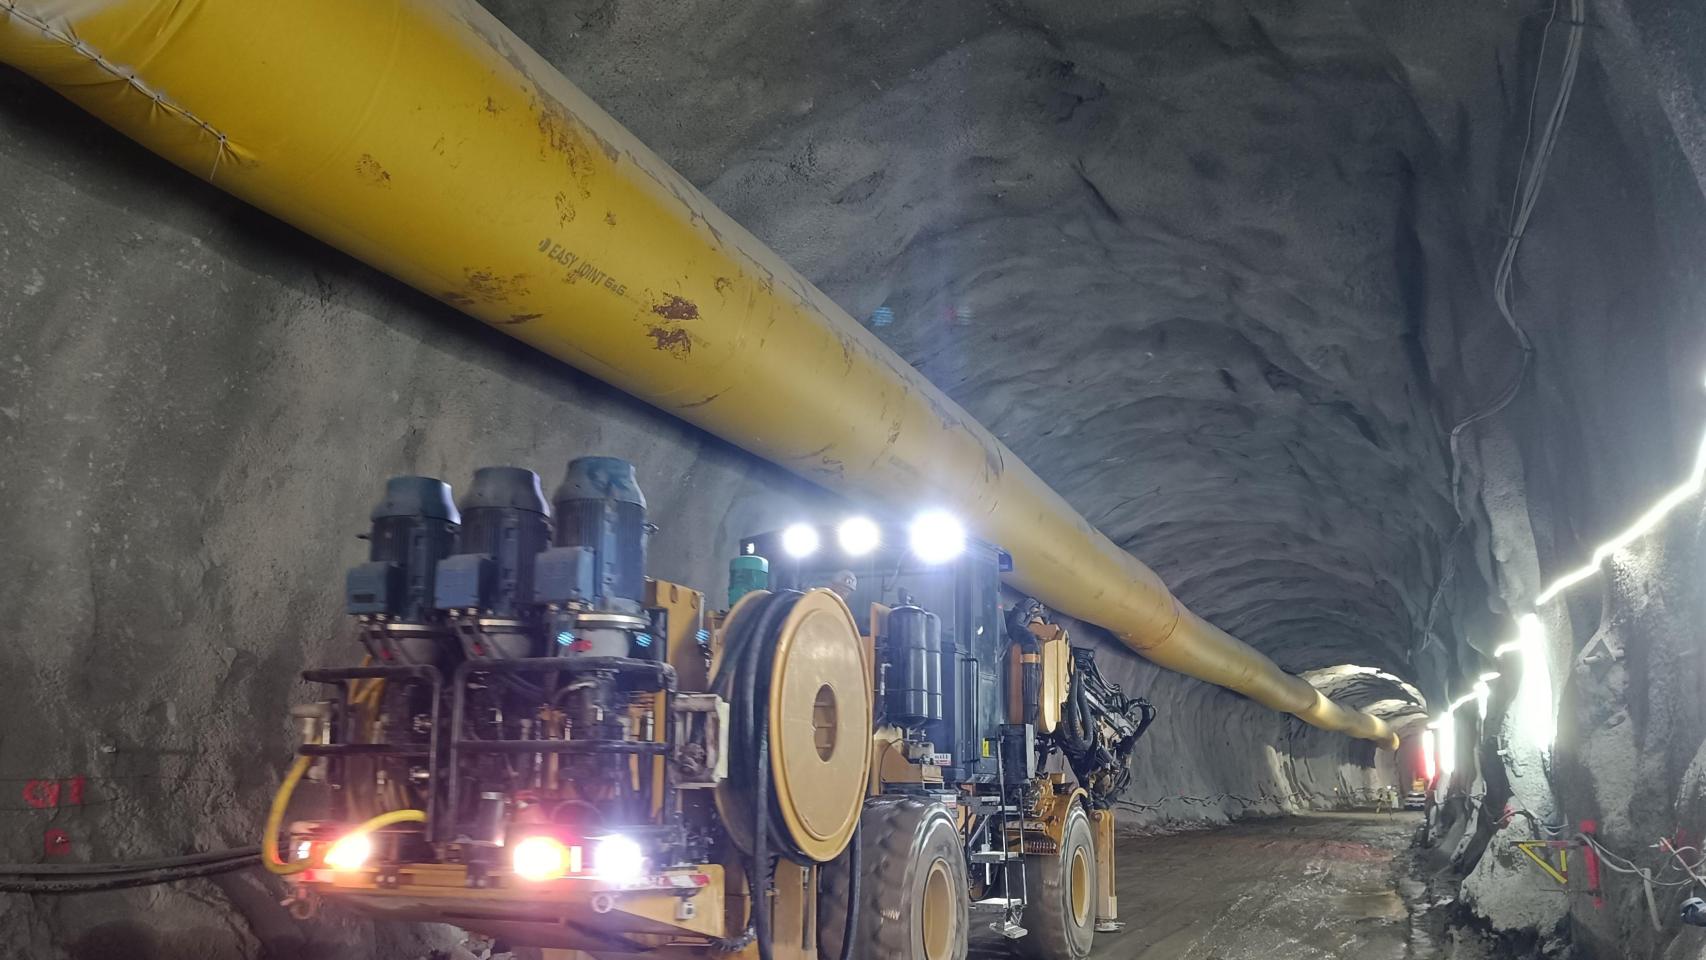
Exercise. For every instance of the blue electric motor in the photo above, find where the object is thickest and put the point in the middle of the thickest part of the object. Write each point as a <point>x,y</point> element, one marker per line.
<point>505,524</point>
<point>593,581</point>
<point>413,529</point>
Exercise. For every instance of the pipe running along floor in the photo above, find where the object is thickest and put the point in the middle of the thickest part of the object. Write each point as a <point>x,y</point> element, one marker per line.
<point>1315,886</point>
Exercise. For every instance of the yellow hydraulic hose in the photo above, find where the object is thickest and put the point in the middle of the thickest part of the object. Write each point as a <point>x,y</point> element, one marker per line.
<point>426,139</point>
<point>387,819</point>
<point>367,693</point>
<point>281,802</point>
<point>275,821</point>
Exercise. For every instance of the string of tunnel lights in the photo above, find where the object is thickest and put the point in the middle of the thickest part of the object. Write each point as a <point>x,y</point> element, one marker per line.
<point>1533,703</point>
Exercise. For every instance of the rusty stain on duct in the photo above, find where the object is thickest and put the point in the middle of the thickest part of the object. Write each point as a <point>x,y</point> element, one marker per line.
<point>677,308</point>
<point>673,341</point>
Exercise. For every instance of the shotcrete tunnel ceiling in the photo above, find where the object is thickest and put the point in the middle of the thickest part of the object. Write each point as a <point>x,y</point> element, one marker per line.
<point>1166,251</point>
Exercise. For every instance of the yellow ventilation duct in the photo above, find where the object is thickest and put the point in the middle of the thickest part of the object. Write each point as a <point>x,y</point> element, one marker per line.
<point>429,141</point>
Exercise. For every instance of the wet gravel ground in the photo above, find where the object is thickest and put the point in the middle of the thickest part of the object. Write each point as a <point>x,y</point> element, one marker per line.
<point>1321,885</point>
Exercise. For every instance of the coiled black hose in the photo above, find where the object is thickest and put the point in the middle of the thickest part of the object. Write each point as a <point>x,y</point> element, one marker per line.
<point>743,680</point>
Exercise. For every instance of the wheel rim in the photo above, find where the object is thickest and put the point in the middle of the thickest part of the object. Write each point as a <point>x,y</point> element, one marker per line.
<point>1078,893</point>
<point>938,912</point>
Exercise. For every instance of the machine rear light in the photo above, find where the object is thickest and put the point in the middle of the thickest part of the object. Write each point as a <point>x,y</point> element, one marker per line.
<point>350,852</point>
<point>545,858</point>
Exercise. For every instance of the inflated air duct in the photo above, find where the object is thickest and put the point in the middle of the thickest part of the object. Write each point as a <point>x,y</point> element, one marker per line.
<point>426,139</point>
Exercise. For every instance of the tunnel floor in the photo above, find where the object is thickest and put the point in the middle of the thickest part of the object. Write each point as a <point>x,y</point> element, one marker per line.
<point>1313,886</point>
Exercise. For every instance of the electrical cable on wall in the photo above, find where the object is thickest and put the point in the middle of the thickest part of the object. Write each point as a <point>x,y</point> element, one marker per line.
<point>1524,195</point>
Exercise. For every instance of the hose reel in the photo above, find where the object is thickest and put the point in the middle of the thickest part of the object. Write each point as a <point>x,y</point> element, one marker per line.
<point>793,670</point>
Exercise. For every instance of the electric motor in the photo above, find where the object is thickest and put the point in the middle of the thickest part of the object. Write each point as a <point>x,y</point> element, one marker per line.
<point>592,583</point>
<point>600,507</point>
<point>486,587</point>
<point>413,528</point>
<point>505,524</point>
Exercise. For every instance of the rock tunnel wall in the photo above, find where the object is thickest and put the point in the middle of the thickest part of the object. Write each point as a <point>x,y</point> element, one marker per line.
<point>1610,419</point>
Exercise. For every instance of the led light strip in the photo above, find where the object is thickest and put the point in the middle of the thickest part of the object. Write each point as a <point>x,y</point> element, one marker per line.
<point>1534,695</point>
<point>1657,512</point>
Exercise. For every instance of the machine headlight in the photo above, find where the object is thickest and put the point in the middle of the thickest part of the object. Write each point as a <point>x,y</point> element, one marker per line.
<point>544,858</point>
<point>800,540</point>
<point>937,536</point>
<point>350,852</point>
<point>618,859</point>
<point>858,536</point>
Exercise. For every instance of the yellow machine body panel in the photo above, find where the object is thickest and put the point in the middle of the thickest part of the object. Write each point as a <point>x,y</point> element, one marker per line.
<point>687,616</point>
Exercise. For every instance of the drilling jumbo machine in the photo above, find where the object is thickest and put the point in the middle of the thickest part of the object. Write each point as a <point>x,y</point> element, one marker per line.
<point>548,748</point>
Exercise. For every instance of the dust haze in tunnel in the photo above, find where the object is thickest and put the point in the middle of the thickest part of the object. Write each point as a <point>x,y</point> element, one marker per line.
<point>1216,270</point>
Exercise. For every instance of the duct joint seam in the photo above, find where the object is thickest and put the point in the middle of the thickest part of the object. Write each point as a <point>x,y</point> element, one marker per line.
<point>129,78</point>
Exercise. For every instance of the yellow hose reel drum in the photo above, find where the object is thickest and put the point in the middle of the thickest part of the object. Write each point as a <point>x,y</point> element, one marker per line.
<point>819,711</point>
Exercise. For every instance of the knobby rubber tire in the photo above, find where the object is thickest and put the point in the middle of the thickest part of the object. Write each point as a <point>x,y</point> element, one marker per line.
<point>1054,932</point>
<point>900,837</point>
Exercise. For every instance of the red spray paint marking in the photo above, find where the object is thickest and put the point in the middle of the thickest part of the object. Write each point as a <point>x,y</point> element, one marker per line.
<point>1588,828</point>
<point>42,794</point>
<point>56,843</point>
<point>48,794</point>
